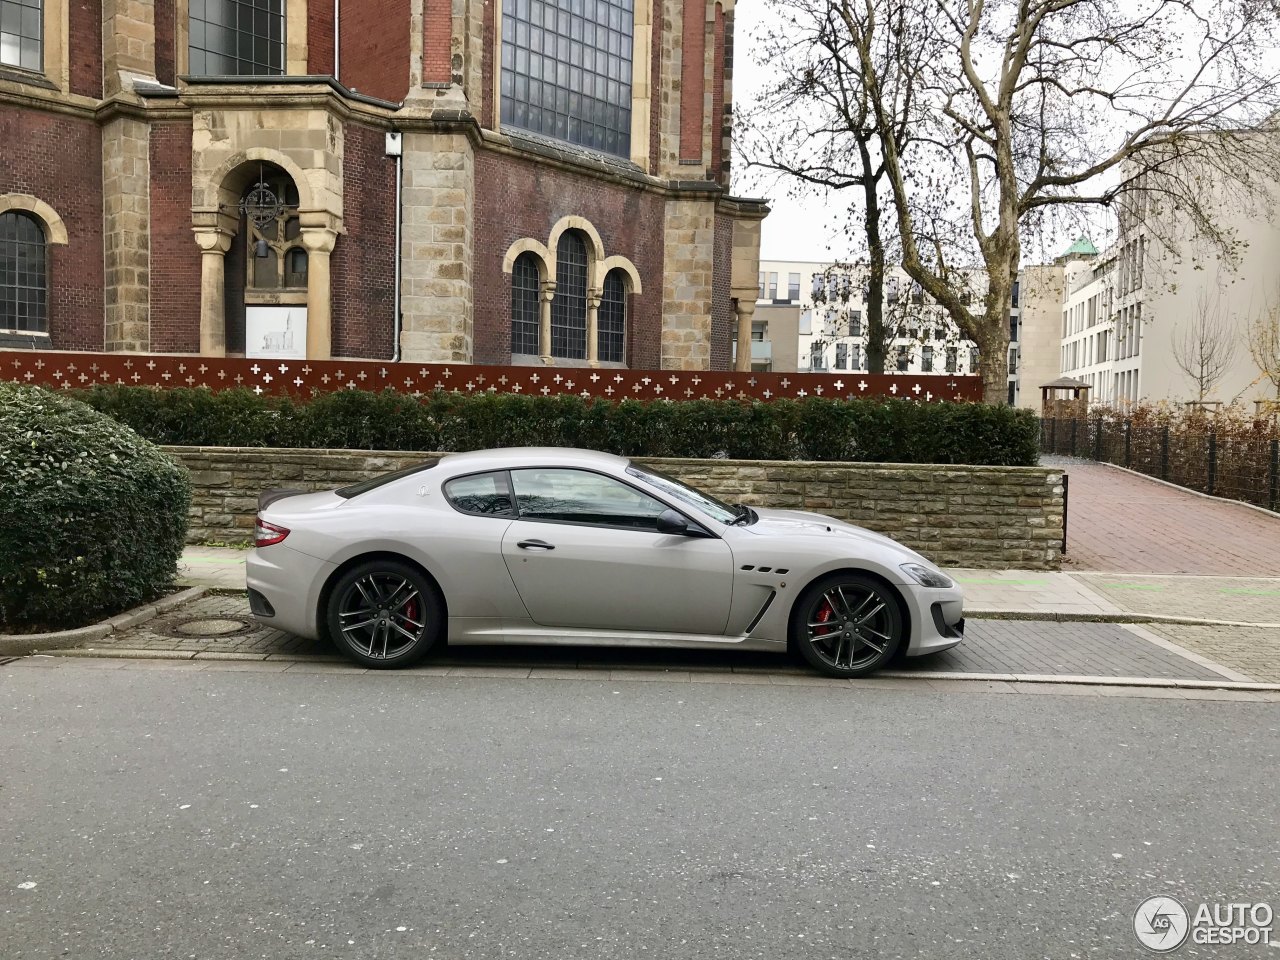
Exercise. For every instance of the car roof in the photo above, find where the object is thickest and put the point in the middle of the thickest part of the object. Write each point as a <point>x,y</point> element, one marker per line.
<point>511,457</point>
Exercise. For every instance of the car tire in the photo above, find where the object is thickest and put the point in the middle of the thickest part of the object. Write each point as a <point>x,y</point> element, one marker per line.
<point>848,625</point>
<point>385,614</point>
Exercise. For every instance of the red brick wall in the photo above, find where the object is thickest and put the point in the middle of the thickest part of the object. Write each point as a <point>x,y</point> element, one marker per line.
<point>363,264</point>
<point>86,46</point>
<point>58,159</point>
<point>717,97</point>
<point>175,257</point>
<point>437,37</point>
<point>630,223</point>
<point>374,58</point>
<point>320,37</point>
<point>693,65</point>
<point>722,316</point>
<point>165,49</point>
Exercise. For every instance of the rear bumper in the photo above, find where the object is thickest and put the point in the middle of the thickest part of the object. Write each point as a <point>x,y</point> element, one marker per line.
<point>288,584</point>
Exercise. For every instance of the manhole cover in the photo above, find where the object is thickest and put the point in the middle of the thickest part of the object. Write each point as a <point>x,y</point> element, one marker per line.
<point>209,627</point>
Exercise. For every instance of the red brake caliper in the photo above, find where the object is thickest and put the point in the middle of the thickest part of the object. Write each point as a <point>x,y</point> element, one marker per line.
<point>826,613</point>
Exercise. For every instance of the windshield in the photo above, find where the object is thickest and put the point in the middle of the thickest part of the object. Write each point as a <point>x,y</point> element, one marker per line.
<point>364,486</point>
<point>708,504</point>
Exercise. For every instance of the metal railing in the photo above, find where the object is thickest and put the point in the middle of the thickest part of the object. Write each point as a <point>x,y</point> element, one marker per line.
<point>1221,464</point>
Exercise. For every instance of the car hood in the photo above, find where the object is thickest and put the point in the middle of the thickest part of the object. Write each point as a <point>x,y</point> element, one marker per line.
<point>800,523</point>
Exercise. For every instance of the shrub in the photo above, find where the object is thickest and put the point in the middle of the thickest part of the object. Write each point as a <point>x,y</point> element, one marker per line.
<point>92,516</point>
<point>816,428</point>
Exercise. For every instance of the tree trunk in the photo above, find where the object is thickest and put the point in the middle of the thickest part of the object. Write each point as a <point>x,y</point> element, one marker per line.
<point>875,279</point>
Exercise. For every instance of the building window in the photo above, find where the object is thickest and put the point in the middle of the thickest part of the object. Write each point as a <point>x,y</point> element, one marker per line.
<point>760,296</point>
<point>773,286</point>
<point>904,359</point>
<point>842,356</point>
<point>24,291</point>
<point>816,359</point>
<point>22,34</point>
<point>855,324</point>
<point>1011,392</point>
<point>973,360</point>
<point>793,287</point>
<point>566,70</point>
<point>237,38</point>
<point>926,359</point>
<point>569,308</point>
<point>1013,361</point>
<point>525,284</point>
<point>1013,329</point>
<point>612,321</point>
<point>952,355</point>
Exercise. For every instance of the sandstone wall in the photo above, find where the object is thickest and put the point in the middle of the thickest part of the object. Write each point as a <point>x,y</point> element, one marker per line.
<point>992,517</point>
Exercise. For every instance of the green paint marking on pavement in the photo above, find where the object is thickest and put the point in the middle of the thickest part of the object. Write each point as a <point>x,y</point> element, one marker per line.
<point>1037,583</point>
<point>1251,593</point>
<point>1133,586</point>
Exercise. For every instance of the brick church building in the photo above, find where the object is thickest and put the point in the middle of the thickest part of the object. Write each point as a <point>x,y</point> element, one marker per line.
<point>512,181</point>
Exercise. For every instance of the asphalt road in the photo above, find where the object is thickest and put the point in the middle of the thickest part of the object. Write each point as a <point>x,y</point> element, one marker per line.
<point>168,814</point>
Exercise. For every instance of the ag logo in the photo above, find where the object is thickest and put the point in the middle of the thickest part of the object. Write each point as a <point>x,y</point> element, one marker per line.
<point>1162,924</point>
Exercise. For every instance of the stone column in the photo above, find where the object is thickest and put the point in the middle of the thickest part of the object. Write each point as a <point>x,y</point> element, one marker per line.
<point>128,43</point>
<point>319,242</point>
<point>593,327</point>
<point>745,309</point>
<point>126,223</point>
<point>544,321</point>
<point>214,245</point>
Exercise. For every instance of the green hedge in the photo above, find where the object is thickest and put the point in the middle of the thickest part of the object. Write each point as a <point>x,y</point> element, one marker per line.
<point>92,516</point>
<point>885,431</point>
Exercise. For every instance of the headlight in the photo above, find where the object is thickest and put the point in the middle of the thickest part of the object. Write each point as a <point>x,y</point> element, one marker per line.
<point>926,577</point>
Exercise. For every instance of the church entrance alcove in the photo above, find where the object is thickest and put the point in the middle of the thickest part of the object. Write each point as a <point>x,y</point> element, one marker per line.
<point>266,266</point>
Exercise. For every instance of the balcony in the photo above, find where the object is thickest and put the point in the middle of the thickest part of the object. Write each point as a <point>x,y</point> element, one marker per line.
<point>761,351</point>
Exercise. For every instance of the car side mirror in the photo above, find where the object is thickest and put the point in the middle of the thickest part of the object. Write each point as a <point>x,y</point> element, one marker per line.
<point>672,523</point>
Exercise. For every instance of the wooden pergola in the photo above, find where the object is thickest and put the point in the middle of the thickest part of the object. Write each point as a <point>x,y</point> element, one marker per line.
<point>1064,398</point>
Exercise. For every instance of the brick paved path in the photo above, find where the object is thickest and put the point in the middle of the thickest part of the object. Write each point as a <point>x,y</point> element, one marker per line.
<point>991,646</point>
<point>1123,522</point>
<point>1253,651</point>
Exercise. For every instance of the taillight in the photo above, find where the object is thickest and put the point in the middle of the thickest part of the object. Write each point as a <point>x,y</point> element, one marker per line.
<point>265,534</point>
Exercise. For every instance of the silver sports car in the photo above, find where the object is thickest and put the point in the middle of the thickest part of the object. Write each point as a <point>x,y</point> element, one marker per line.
<point>542,546</point>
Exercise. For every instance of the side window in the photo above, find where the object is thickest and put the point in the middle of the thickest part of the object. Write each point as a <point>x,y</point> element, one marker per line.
<point>485,494</point>
<point>577,496</point>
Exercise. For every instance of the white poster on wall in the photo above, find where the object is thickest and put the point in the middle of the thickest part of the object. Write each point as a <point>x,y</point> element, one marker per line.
<point>276,332</point>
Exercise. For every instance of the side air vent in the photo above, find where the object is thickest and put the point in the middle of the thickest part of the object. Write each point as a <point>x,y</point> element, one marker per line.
<point>748,566</point>
<point>782,570</point>
<point>756,619</point>
<point>764,569</point>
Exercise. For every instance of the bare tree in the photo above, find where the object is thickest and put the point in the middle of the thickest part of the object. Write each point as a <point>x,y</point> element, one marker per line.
<point>1205,349</point>
<point>818,126</point>
<point>1264,343</point>
<point>1026,114</point>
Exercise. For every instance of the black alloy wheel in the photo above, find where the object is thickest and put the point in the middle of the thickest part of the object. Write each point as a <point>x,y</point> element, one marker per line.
<point>385,614</point>
<point>847,625</point>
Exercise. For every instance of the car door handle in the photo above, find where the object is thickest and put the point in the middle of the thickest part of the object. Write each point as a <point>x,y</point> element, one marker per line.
<point>535,545</point>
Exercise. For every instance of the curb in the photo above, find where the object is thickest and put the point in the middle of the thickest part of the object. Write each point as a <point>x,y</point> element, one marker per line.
<point>1071,617</point>
<point>21,644</point>
<point>590,673</point>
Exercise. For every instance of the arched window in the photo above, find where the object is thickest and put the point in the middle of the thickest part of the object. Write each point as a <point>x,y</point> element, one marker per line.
<point>569,308</point>
<point>24,289</point>
<point>524,305</point>
<point>613,317</point>
<point>277,259</point>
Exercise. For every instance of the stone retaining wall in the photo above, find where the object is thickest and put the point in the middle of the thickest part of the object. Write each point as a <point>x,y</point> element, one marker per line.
<point>993,517</point>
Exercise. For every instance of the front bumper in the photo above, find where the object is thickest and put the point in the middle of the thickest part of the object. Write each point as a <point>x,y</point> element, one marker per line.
<point>288,583</point>
<point>937,619</point>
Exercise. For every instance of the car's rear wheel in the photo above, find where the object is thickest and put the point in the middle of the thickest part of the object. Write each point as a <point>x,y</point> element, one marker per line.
<point>847,625</point>
<point>385,614</point>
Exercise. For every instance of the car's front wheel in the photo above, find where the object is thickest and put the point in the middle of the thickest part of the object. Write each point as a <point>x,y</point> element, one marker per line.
<point>384,613</point>
<point>847,625</point>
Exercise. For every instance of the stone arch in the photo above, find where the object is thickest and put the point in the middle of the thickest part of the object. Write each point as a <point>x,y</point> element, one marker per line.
<point>621,263</point>
<point>546,262</point>
<point>595,246</point>
<point>223,185</point>
<point>55,231</point>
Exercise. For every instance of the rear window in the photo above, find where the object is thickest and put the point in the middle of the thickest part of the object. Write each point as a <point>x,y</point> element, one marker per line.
<point>364,486</point>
